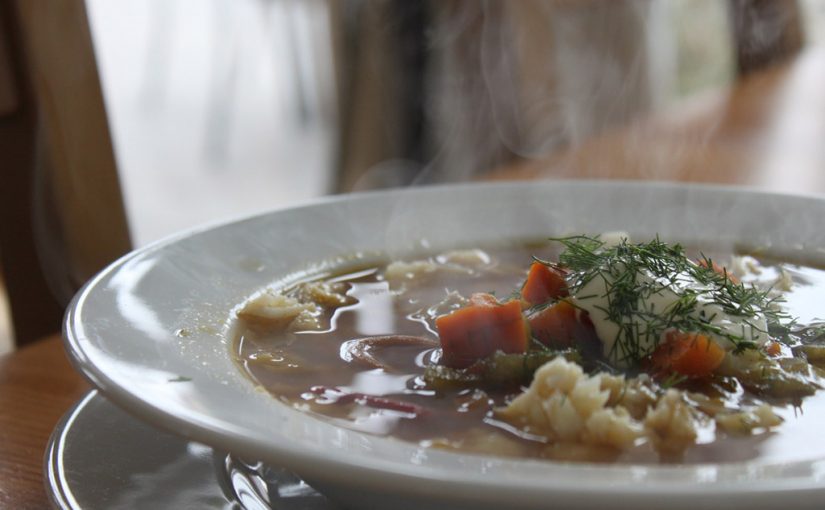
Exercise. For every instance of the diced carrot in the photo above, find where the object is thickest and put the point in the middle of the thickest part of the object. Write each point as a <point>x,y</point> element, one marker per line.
<point>555,326</point>
<point>480,329</point>
<point>543,284</point>
<point>689,354</point>
<point>718,270</point>
<point>560,326</point>
<point>773,348</point>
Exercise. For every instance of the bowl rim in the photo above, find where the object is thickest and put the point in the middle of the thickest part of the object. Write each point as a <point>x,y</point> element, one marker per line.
<point>328,467</point>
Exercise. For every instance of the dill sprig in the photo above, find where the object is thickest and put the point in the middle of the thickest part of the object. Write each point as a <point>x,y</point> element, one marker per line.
<point>674,379</point>
<point>633,273</point>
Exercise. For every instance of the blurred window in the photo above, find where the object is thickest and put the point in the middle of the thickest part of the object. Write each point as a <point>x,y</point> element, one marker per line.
<point>218,108</point>
<point>813,18</point>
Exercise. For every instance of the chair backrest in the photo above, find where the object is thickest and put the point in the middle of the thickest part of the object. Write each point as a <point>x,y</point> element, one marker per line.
<point>61,211</point>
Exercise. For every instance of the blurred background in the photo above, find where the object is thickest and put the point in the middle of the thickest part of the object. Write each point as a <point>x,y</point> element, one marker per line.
<point>216,109</point>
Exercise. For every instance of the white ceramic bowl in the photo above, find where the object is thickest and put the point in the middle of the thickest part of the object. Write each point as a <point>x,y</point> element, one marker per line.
<point>151,332</point>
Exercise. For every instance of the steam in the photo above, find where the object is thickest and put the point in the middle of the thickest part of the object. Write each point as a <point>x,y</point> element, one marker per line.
<point>576,89</point>
<point>519,82</point>
<point>509,81</point>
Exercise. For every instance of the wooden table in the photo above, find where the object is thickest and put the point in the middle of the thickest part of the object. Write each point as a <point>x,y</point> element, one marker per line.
<point>767,131</point>
<point>37,385</point>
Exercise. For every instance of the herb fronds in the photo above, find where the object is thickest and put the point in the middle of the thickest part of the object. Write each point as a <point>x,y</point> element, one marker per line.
<point>674,379</point>
<point>633,273</point>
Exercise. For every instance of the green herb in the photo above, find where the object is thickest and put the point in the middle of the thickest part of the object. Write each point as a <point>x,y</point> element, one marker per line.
<point>537,345</point>
<point>674,379</point>
<point>622,267</point>
<point>499,370</point>
<point>515,294</point>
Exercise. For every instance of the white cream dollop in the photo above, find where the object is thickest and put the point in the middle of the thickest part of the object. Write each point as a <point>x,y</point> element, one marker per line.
<point>594,297</point>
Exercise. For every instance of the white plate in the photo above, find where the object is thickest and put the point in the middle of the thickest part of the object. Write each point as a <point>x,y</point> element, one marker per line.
<point>100,457</point>
<point>151,333</point>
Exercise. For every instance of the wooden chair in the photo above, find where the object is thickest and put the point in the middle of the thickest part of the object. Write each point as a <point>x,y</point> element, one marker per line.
<point>61,212</point>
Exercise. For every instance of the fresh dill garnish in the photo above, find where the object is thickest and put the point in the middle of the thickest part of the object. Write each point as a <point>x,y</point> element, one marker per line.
<point>674,379</point>
<point>537,345</point>
<point>515,294</point>
<point>634,273</point>
<point>538,307</point>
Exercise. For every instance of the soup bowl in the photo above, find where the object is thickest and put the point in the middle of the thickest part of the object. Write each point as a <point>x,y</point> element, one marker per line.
<point>154,333</point>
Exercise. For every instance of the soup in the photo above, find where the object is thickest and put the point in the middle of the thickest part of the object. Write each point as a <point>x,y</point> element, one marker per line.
<point>579,349</point>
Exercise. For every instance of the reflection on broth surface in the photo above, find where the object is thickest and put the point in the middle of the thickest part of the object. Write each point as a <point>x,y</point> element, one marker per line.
<point>363,349</point>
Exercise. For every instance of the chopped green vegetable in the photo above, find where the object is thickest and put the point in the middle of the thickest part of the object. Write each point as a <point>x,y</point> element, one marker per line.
<point>497,371</point>
<point>815,354</point>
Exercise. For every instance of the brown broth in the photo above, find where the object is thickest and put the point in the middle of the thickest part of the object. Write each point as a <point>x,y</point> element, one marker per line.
<point>308,370</point>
